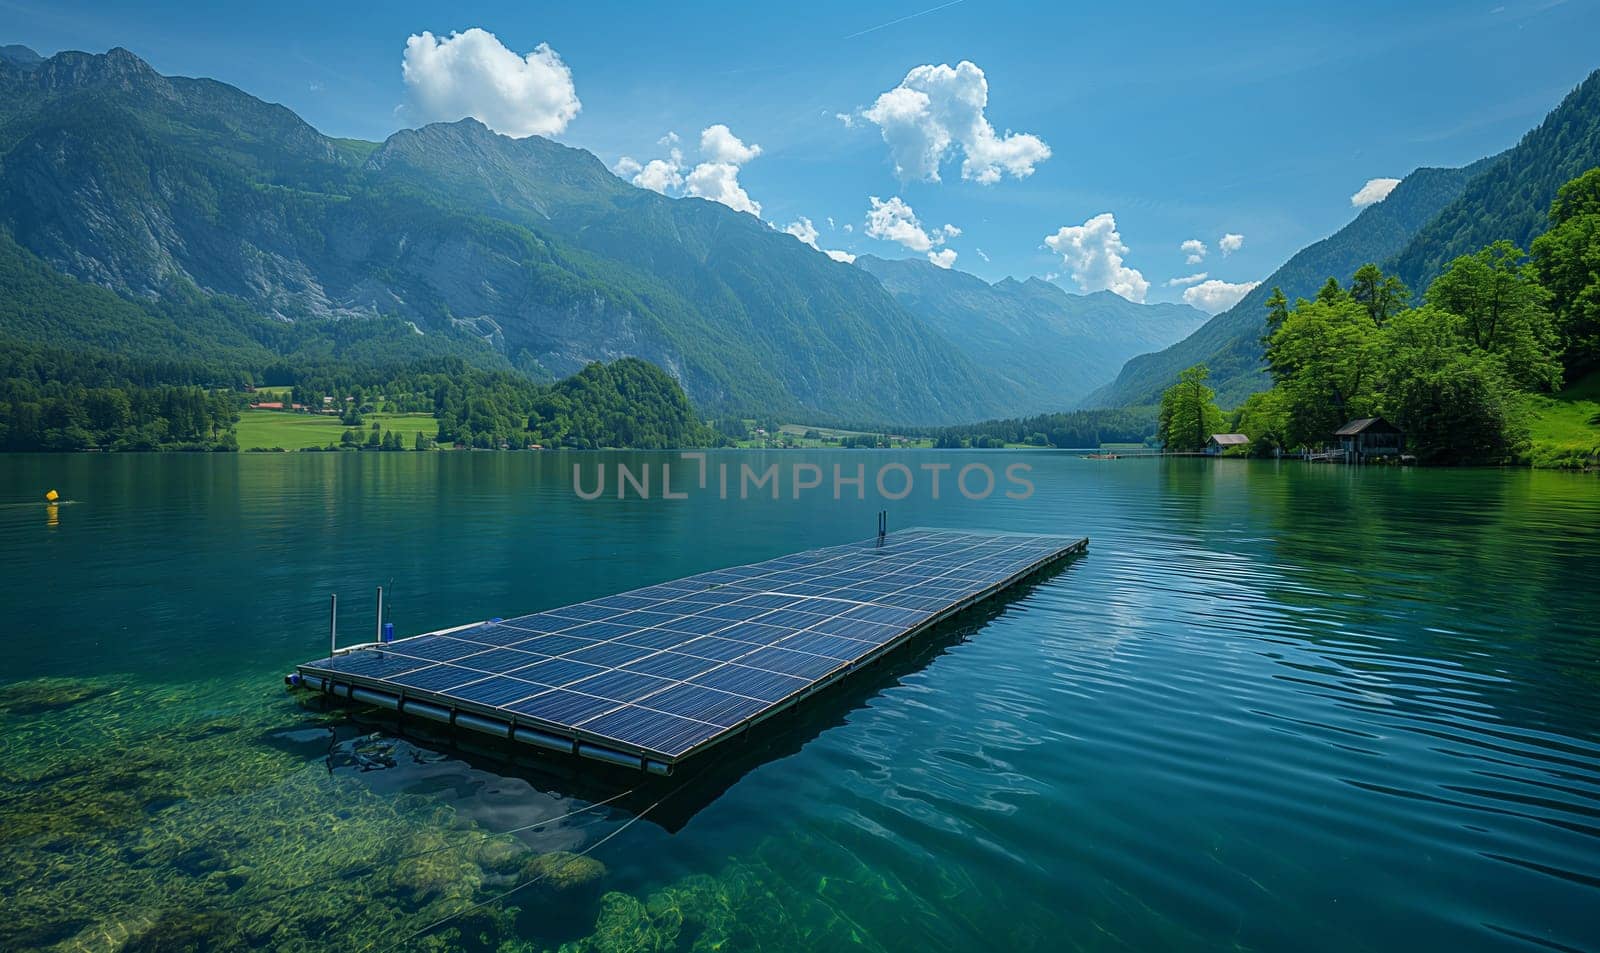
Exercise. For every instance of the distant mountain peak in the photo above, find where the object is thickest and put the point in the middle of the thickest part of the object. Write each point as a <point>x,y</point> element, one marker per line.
<point>20,56</point>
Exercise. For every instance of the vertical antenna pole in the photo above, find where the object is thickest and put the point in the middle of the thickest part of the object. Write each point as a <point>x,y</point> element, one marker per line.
<point>378,634</point>
<point>333,625</point>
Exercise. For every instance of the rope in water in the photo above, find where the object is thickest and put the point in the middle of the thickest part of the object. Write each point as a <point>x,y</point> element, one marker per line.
<point>373,867</point>
<point>531,881</point>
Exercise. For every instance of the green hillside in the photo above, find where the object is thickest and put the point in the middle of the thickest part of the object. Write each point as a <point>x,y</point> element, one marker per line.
<point>1230,343</point>
<point>163,188</point>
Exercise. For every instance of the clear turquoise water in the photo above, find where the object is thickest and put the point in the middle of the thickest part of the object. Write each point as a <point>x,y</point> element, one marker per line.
<point>1277,706</point>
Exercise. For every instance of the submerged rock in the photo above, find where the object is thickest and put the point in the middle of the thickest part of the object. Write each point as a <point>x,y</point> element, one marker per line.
<point>40,695</point>
<point>563,870</point>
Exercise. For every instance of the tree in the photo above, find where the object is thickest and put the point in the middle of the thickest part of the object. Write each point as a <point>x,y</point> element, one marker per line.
<point>1455,402</point>
<point>1326,360</point>
<point>1277,313</point>
<point>1382,295</point>
<point>1567,258</point>
<point>1189,414</point>
<point>1265,420</point>
<point>1503,311</point>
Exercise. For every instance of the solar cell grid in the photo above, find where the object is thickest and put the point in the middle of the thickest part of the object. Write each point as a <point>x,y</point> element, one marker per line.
<point>664,668</point>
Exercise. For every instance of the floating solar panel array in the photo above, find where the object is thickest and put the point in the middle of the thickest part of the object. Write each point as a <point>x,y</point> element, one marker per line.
<point>650,677</point>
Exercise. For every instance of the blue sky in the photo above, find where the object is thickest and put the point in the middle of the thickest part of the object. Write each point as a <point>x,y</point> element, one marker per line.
<point>1179,120</point>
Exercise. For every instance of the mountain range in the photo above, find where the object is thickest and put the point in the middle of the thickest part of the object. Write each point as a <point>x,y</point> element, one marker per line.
<point>219,221</point>
<point>1051,346</point>
<point>1430,218</point>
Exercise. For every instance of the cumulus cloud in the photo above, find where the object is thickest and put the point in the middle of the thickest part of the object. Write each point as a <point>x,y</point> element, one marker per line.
<point>1230,243</point>
<point>1193,279</point>
<point>938,110</point>
<point>1093,252</point>
<point>716,178</point>
<point>1195,251</point>
<point>471,73</point>
<point>719,144</point>
<point>1375,191</point>
<point>1214,296</point>
<point>802,229</point>
<point>719,182</point>
<point>894,221</point>
<point>944,257</point>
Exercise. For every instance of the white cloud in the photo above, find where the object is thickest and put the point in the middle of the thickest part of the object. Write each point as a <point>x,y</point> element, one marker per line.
<point>944,257</point>
<point>1193,279</point>
<point>950,231</point>
<point>849,227</point>
<point>939,109</point>
<point>981,254</point>
<point>830,221</point>
<point>660,175</point>
<point>894,221</point>
<point>1375,191</point>
<point>1195,250</point>
<point>848,119</point>
<point>1093,252</point>
<point>719,144</point>
<point>802,229</point>
<point>1215,296</point>
<point>719,182</point>
<point>1230,243</point>
<point>716,178</point>
<point>472,74</point>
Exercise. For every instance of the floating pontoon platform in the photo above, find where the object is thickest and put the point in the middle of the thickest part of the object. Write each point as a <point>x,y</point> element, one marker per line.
<point>651,677</point>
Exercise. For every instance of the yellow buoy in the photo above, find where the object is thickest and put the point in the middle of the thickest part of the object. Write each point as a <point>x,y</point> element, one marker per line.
<point>52,496</point>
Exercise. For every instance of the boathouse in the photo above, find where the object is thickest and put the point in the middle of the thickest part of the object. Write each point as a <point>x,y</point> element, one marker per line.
<point>1368,438</point>
<point>1221,442</point>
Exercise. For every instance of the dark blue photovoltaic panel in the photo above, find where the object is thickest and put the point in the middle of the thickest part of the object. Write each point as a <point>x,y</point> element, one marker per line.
<point>557,672</point>
<point>439,648</point>
<point>836,646</point>
<point>553,644</point>
<point>499,660</point>
<point>373,664</point>
<point>751,682</point>
<point>623,685</point>
<point>500,690</point>
<point>661,732</point>
<point>655,638</point>
<point>672,665</point>
<point>791,663</point>
<point>706,704</point>
<point>610,654</point>
<point>562,707</point>
<point>756,633</point>
<point>669,667</point>
<point>538,622</point>
<point>436,678</point>
<point>585,612</point>
<point>715,647</point>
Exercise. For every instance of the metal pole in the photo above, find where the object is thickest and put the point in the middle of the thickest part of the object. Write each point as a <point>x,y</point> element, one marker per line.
<point>378,635</point>
<point>333,625</point>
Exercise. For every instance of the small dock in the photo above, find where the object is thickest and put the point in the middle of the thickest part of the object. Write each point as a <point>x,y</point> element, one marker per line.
<point>649,678</point>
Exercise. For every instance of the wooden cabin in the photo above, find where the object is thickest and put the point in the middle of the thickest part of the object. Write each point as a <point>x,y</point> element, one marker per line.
<point>1220,442</point>
<point>1370,438</point>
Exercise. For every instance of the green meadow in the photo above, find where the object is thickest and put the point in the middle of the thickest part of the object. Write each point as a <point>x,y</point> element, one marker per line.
<point>275,429</point>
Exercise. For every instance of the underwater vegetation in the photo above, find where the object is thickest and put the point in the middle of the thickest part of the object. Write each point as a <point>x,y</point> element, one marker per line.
<point>137,818</point>
<point>188,818</point>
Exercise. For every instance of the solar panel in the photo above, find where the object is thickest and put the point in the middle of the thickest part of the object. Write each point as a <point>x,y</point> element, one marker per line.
<point>663,670</point>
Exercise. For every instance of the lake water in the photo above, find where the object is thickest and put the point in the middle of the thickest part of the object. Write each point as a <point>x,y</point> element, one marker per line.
<point>1275,707</point>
